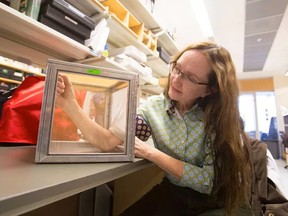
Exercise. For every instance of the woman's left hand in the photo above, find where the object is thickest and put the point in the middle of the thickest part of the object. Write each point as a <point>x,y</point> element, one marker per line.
<point>142,149</point>
<point>169,164</point>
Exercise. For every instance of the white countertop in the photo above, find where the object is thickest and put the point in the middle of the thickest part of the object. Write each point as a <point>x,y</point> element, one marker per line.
<point>25,185</point>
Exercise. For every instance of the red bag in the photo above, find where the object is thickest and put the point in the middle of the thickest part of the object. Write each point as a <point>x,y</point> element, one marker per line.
<point>21,113</point>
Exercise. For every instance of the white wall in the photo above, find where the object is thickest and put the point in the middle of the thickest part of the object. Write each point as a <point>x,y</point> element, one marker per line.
<point>281,97</point>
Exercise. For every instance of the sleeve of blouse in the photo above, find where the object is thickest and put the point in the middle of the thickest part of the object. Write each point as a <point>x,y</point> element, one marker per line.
<point>143,130</point>
<point>199,178</point>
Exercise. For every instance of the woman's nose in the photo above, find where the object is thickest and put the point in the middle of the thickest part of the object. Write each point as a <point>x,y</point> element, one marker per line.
<point>176,78</point>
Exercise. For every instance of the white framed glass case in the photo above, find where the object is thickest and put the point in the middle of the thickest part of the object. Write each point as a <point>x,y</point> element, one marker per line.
<point>108,97</point>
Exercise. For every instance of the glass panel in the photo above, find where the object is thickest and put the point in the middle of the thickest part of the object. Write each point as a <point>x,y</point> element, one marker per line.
<point>247,112</point>
<point>103,100</point>
<point>266,113</point>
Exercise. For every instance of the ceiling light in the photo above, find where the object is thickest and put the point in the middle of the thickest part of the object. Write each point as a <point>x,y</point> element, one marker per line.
<point>202,17</point>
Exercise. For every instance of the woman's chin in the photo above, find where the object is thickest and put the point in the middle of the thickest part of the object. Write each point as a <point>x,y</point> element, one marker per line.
<point>174,95</point>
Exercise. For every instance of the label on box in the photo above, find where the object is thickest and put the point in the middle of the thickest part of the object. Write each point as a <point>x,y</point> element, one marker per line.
<point>18,74</point>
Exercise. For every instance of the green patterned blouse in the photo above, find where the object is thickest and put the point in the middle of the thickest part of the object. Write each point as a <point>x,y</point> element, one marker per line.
<point>181,137</point>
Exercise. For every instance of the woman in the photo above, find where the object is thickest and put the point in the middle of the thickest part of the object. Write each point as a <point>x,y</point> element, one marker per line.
<point>196,131</point>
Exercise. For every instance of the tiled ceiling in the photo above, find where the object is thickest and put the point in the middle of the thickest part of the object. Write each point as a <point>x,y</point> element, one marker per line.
<point>254,31</point>
<point>263,18</point>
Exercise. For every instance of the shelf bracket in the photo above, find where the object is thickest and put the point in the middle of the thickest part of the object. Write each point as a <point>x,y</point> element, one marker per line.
<point>100,16</point>
<point>159,33</point>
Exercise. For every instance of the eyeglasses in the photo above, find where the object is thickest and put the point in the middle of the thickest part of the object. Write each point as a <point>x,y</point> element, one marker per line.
<point>174,70</point>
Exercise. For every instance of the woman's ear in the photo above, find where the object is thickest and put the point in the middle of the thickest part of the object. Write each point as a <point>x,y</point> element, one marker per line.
<point>207,92</point>
<point>213,90</point>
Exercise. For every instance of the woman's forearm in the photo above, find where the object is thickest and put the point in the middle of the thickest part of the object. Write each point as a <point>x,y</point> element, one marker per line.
<point>169,164</point>
<point>97,135</point>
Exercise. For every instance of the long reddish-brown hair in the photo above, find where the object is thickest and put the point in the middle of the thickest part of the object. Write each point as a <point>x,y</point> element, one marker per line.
<point>223,128</point>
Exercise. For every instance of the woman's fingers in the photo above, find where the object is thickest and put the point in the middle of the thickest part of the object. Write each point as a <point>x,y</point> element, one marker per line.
<point>139,147</point>
<point>60,84</point>
<point>60,87</point>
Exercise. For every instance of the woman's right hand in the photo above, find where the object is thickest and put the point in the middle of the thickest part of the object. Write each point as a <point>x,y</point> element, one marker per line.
<point>65,93</point>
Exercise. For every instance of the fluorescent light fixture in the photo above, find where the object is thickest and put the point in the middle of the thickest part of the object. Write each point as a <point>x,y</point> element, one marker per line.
<point>202,17</point>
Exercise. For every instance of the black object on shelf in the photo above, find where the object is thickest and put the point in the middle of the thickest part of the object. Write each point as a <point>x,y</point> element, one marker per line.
<point>4,87</point>
<point>73,12</point>
<point>68,20</point>
<point>163,55</point>
<point>16,75</point>
<point>5,72</point>
<point>4,96</point>
<point>11,74</point>
<point>6,2</point>
<point>58,17</point>
<point>59,28</point>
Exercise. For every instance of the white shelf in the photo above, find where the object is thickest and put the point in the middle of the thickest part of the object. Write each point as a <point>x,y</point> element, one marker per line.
<point>168,43</point>
<point>159,67</point>
<point>110,63</point>
<point>20,69</point>
<point>9,80</point>
<point>27,40</point>
<point>121,36</point>
<point>153,90</point>
<point>103,62</point>
<point>139,10</point>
